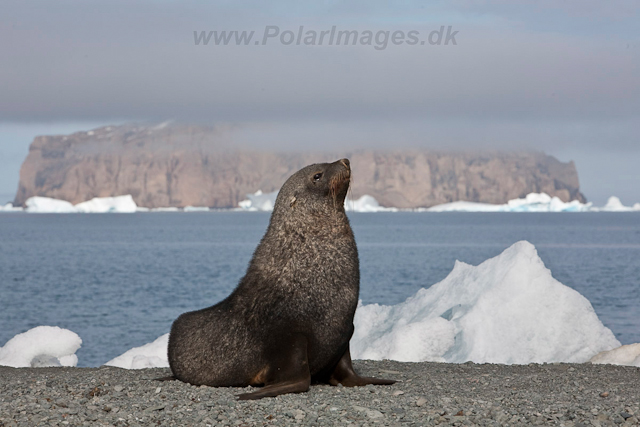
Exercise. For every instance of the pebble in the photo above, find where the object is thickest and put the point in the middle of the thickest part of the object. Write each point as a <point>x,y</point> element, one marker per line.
<point>426,394</point>
<point>421,401</point>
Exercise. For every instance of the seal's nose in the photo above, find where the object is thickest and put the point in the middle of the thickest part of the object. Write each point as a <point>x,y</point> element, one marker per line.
<point>346,163</point>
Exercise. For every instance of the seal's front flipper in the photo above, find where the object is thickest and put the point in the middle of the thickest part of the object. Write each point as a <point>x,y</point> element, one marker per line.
<point>288,370</point>
<point>345,375</point>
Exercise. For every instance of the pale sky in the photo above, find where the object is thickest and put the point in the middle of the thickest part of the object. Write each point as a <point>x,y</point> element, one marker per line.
<point>560,77</point>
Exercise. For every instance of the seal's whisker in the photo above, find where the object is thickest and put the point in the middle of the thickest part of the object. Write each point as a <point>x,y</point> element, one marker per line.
<point>350,193</point>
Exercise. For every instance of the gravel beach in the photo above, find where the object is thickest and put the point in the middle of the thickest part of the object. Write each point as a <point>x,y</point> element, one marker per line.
<point>425,394</point>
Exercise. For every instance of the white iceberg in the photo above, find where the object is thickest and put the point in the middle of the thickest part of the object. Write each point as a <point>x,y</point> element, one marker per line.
<point>10,208</point>
<point>165,209</point>
<point>41,346</point>
<point>533,202</point>
<point>119,204</point>
<point>259,201</point>
<point>151,355</point>
<point>196,209</point>
<point>509,309</point>
<point>615,205</point>
<point>462,206</point>
<point>39,204</point>
<point>366,203</point>
<point>628,355</point>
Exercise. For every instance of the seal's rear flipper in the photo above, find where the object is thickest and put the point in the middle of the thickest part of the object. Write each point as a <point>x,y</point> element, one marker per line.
<point>344,374</point>
<point>273,390</point>
<point>169,378</point>
<point>289,371</point>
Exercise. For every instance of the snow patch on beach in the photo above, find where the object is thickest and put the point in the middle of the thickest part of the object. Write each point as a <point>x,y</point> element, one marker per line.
<point>628,355</point>
<point>151,355</point>
<point>41,346</point>
<point>508,310</point>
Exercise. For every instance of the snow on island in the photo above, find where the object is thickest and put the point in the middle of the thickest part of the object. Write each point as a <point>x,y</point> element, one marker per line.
<point>508,310</point>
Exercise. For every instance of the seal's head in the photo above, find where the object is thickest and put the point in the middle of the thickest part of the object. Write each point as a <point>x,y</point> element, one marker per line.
<point>318,188</point>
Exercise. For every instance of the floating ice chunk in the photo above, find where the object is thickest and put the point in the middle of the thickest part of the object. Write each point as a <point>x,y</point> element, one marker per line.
<point>366,203</point>
<point>10,208</point>
<point>462,206</point>
<point>509,309</point>
<point>165,209</point>
<point>259,201</point>
<point>196,209</point>
<point>151,355</point>
<point>533,202</point>
<point>48,205</point>
<point>615,205</point>
<point>41,346</point>
<point>119,204</point>
<point>624,355</point>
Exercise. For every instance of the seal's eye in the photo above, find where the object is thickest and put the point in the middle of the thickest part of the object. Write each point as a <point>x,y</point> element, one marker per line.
<point>317,177</point>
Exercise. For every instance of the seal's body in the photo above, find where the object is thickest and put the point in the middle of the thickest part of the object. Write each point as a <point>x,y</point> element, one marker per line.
<point>289,321</point>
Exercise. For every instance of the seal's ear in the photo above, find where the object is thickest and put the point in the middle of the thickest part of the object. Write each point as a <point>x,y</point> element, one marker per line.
<point>292,201</point>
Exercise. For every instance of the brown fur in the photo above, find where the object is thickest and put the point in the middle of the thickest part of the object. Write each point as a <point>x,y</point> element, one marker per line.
<point>290,319</point>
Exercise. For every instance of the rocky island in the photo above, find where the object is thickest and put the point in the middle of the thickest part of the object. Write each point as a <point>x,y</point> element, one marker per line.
<point>180,165</point>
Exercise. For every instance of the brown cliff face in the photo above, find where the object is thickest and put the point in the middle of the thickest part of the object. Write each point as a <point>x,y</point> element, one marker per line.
<point>181,165</point>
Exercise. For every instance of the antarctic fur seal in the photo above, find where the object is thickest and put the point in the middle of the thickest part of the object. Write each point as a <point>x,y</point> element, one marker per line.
<point>289,321</point>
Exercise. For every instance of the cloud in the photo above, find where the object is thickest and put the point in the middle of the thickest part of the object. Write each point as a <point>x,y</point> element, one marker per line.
<point>136,61</point>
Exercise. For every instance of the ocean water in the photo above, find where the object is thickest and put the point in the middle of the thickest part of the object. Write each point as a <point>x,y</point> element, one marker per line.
<point>119,280</point>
